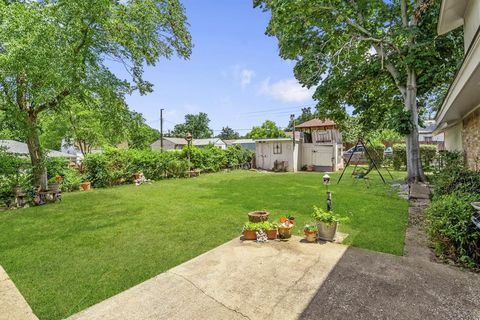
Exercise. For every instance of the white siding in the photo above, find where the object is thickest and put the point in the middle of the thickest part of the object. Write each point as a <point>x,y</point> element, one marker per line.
<point>453,138</point>
<point>471,22</point>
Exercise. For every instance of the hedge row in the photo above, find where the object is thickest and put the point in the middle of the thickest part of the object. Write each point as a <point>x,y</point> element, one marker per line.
<point>453,235</point>
<point>427,154</point>
<point>117,166</point>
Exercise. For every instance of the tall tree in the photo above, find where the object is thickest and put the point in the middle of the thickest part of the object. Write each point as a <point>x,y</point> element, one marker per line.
<point>384,55</point>
<point>268,129</point>
<point>196,124</point>
<point>53,50</point>
<point>228,133</point>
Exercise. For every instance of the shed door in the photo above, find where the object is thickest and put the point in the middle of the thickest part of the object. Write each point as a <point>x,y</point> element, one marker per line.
<point>265,156</point>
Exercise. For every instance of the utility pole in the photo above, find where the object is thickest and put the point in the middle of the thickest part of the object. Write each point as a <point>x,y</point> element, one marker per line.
<point>161,130</point>
<point>292,117</point>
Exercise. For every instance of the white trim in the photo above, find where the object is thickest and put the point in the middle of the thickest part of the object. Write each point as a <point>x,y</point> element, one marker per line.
<point>472,60</point>
<point>448,23</point>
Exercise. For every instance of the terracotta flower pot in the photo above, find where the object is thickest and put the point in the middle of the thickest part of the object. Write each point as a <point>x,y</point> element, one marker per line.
<point>271,234</point>
<point>311,236</point>
<point>249,235</point>
<point>85,186</point>
<point>258,216</point>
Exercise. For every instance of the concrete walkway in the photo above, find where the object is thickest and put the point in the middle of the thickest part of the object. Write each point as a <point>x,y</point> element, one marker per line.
<point>12,304</point>
<point>238,280</point>
<point>292,280</point>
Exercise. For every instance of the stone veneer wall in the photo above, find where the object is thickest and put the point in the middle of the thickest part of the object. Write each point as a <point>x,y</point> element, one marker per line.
<point>471,139</point>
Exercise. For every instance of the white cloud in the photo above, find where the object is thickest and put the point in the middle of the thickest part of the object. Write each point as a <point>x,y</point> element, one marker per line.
<point>288,90</point>
<point>246,76</point>
<point>242,75</point>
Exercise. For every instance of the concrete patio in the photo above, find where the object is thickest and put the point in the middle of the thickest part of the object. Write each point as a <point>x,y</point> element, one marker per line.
<point>291,280</point>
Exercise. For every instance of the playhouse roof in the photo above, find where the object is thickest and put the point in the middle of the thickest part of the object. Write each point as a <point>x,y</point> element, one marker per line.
<point>314,123</point>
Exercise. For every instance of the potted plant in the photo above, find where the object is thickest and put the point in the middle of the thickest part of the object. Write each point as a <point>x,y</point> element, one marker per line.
<point>271,229</point>
<point>53,184</point>
<point>85,186</point>
<point>327,223</point>
<point>250,230</point>
<point>258,216</point>
<point>310,231</point>
<point>285,227</point>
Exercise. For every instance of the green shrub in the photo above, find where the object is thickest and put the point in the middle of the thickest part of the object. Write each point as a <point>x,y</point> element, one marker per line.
<point>453,176</point>
<point>177,168</point>
<point>72,179</point>
<point>56,166</point>
<point>427,155</point>
<point>12,174</point>
<point>450,229</point>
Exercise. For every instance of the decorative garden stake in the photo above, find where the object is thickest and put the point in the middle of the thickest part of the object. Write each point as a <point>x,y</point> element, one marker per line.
<point>262,236</point>
<point>326,182</point>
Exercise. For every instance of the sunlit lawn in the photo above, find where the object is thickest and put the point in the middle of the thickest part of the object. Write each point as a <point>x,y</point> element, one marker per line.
<point>68,256</point>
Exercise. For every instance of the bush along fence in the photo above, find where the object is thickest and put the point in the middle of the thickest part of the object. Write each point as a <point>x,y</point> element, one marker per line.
<point>453,235</point>
<point>117,166</point>
<point>427,155</point>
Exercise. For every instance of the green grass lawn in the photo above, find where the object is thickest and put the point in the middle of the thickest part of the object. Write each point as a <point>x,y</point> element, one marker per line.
<point>65,257</point>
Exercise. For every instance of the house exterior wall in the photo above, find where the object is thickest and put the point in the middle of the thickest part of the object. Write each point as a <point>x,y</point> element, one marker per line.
<point>472,22</point>
<point>471,139</point>
<point>167,145</point>
<point>453,138</point>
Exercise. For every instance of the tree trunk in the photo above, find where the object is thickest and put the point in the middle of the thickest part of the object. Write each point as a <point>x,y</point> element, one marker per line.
<point>36,153</point>
<point>414,164</point>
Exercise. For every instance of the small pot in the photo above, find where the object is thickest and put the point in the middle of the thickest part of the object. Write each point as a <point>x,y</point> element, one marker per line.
<point>284,233</point>
<point>85,186</point>
<point>249,235</point>
<point>53,186</point>
<point>271,234</point>
<point>258,216</point>
<point>311,236</point>
<point>326,231</point>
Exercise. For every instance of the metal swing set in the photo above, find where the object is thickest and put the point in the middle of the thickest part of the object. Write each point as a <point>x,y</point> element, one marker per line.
<point>360,173</point>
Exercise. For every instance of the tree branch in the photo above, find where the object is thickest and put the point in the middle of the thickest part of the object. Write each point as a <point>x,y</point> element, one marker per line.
<point>403,9</point>
<point>54,102</point>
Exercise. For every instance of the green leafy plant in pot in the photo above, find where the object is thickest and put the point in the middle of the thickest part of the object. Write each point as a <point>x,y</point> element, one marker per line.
<point>270,229</point>
<point>250,230</point>
<point>327,222</point>
<point>310,231</point>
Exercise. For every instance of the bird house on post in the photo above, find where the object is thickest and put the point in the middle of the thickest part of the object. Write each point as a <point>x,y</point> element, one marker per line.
<point>326,179</point>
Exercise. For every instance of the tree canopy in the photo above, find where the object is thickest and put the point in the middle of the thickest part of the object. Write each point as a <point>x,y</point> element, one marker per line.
<point>196,124</point>
<point>383,58</point>
<point>268,129</point>
<point>228,133</point>
<point>56,51</point>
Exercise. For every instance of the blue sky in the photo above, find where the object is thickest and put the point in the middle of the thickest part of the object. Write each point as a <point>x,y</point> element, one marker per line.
<point>234,73</point>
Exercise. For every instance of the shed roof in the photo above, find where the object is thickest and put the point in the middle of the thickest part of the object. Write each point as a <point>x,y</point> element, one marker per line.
<point>316,123</point>
<point>179,141</point>
<point>204,142</point>
<point>21,148</point>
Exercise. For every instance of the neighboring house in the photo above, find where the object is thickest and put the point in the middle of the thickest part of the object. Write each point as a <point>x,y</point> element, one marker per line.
<point>170,144</point>
<point>180,143</point>
<point>217,142</point>
<point>244,143</point>
<point>75,151</point>
<point>459,115</point>
<point>318,144</point>
<point>21,150</point>
<point>426,135</point>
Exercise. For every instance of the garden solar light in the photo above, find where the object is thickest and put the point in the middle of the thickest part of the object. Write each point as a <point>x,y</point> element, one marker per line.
<point>188,137</point>
<point>326,179</point>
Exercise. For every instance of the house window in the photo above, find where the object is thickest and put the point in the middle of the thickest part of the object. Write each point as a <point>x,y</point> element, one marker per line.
<point>428,139</point>
<point>277,148</point>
